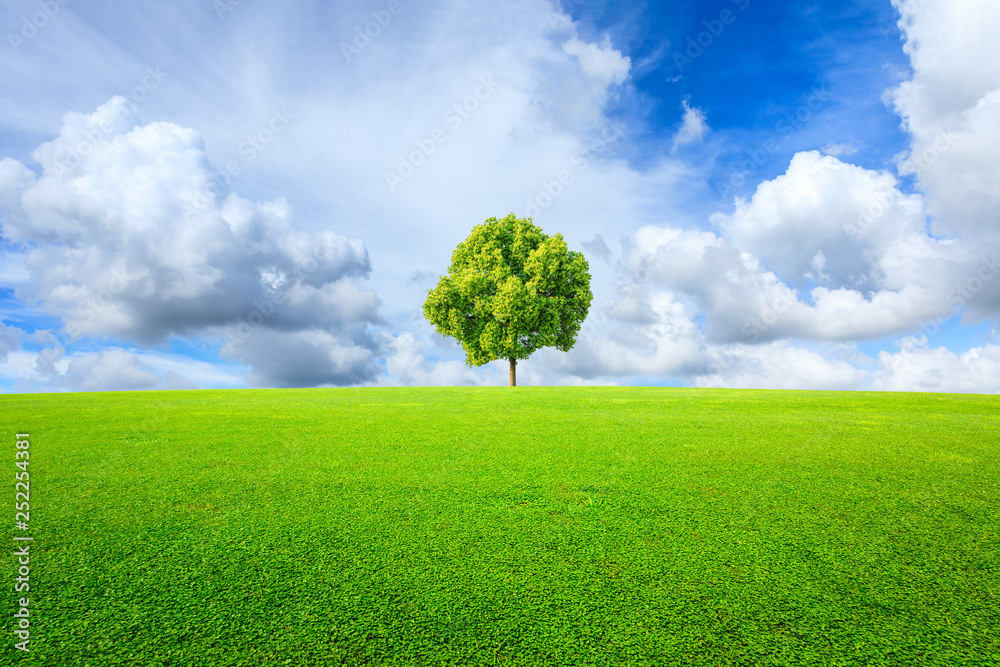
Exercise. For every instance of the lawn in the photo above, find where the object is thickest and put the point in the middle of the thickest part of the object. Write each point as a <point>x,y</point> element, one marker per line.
<point>509,526</point>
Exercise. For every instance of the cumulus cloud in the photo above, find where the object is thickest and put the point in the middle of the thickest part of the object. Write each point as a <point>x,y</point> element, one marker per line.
<point>741,301</point>
<point>134,234</point>
<point>950,105</point>
<point>947,81</point>
<point>917,367</point>
<point>852,216</point>
<point>827,251</point>
<point>830,251</point>
<point>643,335</point>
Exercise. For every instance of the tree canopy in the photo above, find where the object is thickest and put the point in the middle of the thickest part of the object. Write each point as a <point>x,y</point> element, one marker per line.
<point>510,290</point>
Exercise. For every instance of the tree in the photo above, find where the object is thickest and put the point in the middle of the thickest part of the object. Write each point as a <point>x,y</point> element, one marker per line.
<point>510,290</point>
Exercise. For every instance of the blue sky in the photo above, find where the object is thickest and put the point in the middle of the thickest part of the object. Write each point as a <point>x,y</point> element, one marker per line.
<point>237,194</point>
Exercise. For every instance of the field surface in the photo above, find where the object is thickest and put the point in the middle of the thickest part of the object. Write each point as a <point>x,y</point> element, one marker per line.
<point>499,526</point>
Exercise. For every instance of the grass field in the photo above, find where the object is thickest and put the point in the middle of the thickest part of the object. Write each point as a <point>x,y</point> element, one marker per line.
<point>499,526</point>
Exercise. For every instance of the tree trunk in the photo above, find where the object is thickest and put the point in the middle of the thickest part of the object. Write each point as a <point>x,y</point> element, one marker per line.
<point>513,372</point>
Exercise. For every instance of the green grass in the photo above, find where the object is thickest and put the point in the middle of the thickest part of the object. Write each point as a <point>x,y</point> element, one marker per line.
<point>498,526</point>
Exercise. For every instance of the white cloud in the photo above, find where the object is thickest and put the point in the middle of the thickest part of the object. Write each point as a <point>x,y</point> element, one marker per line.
<point>694,126</point>
<point>134,235</point>
<point>951,51</point>
<point>646,335</point>
<point>917,367</point>
<point>780,365</point>
<point>744,302</point>
<point>827,251</point>
<point>853,216</point>
<point>110,370</point>
<point>603,62</point>
<point>950,107</point>
<point>52,369</point>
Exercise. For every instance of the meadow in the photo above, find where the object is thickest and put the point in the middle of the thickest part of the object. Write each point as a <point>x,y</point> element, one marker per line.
<point>508,526</point>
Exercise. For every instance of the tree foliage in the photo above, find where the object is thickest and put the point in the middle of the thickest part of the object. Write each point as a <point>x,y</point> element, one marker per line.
<point>510,290</point>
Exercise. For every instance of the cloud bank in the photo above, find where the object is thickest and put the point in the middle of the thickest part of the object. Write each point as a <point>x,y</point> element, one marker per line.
<point>131,234</point>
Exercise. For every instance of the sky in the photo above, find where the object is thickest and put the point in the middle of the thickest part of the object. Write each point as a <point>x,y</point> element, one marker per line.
<point>233,193</point>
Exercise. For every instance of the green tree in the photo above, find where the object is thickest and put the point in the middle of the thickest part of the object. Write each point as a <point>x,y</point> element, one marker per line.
<point>510,290</point>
